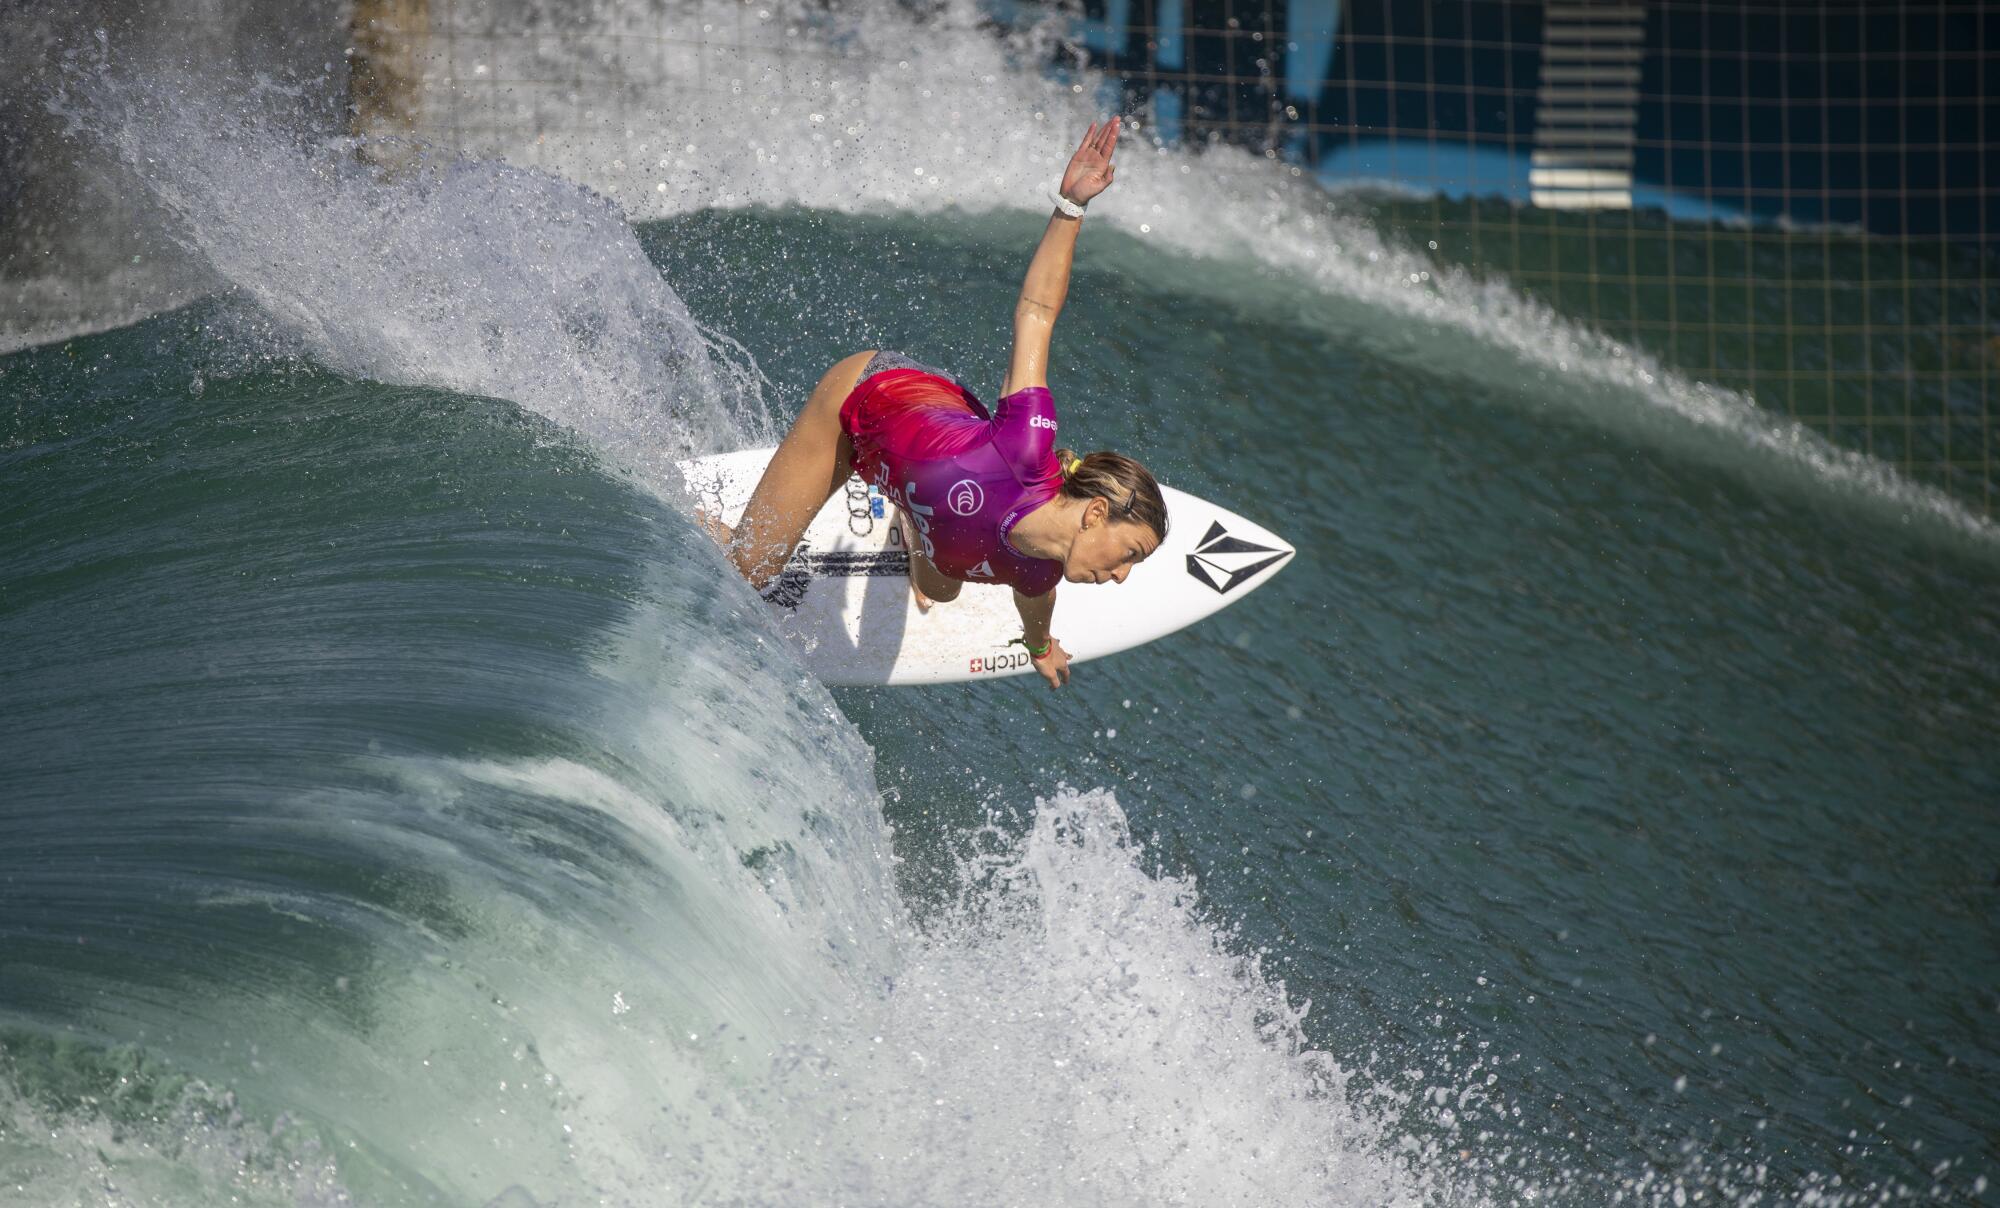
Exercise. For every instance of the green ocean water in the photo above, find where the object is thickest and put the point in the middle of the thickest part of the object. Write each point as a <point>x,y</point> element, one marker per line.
<point>402,804</point>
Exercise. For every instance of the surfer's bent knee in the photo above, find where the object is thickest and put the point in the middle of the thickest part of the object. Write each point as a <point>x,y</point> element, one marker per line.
<point>839,381</point>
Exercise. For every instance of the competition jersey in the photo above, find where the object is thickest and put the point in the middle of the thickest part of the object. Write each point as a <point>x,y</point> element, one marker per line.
<point>963,476</point>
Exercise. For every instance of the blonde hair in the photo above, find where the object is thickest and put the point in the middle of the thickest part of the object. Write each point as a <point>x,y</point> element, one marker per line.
<point>1120,482</point>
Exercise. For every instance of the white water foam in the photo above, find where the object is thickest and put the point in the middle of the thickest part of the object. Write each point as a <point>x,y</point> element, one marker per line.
<point>1072,1032</point>
<point>189,1145</point>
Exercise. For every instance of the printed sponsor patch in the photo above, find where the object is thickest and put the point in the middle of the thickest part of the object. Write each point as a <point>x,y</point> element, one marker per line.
<point>988,664</point>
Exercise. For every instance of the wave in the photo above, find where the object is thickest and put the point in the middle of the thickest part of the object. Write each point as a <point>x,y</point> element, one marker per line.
<point>476,847</point>
<point>492,853</point>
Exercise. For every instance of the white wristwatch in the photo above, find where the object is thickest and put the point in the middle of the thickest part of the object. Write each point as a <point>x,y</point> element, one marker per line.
<point>1072,208</point>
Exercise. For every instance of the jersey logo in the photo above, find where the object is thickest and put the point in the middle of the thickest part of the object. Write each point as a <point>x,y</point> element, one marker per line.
<point>921,515</point>
<point>1038,421</point>
<point>983,571</point>
<point>966,497</point>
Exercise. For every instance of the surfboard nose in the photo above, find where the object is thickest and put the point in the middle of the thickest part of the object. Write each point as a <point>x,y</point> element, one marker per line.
<point>1233,556</point>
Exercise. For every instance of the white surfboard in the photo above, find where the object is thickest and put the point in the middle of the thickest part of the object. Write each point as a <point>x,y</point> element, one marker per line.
<point>845,594</point>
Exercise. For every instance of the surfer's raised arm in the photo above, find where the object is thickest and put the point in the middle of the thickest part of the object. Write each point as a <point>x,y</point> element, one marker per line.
<point>982,497</point>
<point>1047,283</point>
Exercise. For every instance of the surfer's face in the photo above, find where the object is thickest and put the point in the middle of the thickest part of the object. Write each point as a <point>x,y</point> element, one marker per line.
<point>1105,551</point>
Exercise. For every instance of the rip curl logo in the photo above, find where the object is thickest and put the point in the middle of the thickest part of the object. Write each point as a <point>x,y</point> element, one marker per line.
<point>1226,563</point>
<point>1041,421</point>
<point>965,497</point>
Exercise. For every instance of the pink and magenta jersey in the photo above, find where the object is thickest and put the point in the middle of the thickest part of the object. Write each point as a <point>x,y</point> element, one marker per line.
<point>964,477</point>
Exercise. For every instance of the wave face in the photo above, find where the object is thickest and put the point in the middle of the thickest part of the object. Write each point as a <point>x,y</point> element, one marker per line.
<point>403,812</point>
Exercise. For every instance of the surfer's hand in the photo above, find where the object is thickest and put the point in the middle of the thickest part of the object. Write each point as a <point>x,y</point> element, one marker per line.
<point>1089,172</point>
<point>1054,666</point>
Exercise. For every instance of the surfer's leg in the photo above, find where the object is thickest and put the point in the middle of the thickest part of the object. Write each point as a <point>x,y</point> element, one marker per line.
<point>927,583</point>
<point>807,469</point>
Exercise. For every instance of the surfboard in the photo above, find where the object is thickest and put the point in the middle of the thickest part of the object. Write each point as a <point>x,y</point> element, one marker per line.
<point>844,597</point>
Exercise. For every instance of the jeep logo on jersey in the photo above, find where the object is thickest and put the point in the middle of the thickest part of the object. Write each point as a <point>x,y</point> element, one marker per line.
<point>1041,421</point>
<point>965,497</point>
<point>1225,562</point>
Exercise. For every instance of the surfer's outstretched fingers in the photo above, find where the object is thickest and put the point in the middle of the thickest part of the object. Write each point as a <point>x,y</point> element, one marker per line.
<point>1054,666</point>
<point>717,531</point>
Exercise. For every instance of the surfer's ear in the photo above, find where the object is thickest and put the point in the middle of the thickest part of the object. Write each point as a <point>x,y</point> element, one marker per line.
<point>1095,509</point>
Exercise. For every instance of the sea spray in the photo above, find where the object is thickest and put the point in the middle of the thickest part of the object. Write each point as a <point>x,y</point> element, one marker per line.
<point>469,276</point>
<point>874,109</point>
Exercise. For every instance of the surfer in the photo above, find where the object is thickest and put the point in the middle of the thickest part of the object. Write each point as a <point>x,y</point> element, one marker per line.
<point>984,498</point>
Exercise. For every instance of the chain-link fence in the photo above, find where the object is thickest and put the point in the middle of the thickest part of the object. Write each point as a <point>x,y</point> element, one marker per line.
<point>1789,199</point>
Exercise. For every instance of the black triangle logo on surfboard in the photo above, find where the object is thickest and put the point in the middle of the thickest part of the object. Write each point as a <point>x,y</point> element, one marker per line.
<point>1226,563</point>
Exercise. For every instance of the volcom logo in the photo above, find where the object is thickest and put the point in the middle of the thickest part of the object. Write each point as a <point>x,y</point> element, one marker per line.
<point>1041,421</point>
<point>965,497</point>
<point>1225,562</point>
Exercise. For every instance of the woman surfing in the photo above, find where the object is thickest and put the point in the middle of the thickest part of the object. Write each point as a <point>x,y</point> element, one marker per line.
<point>984,498</point>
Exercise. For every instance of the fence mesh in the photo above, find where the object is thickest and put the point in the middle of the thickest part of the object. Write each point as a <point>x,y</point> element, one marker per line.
<point>1787,199</point>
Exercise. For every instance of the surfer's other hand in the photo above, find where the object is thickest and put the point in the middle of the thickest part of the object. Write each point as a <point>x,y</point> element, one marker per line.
<point>1054,666</point>
<point>719,532</point>
<point>1090,169</point>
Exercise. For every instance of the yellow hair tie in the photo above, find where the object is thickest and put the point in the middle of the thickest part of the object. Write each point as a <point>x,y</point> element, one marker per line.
<point>1070,464</point>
